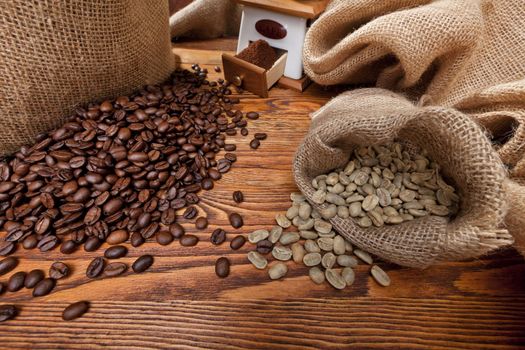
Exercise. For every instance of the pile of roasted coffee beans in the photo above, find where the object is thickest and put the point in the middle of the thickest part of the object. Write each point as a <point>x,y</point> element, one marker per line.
<point>117,171</point>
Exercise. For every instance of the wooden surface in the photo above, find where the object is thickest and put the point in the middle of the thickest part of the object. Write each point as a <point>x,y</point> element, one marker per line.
<point>299,8</point>
<point>179,303</point>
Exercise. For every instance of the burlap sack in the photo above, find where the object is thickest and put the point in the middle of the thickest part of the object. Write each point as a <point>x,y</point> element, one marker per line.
<point>206,19</point>
<point>452,139</point>
<point>55,54</point>
<point>465,54</point>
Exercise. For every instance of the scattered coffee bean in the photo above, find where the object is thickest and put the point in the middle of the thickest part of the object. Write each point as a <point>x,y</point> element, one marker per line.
<point>95,267</point>
<point>283,221</point>
<point>6,248</point>
<point>75,310</point>
<point>48,243</point>
<point>164,237</point>
<point>316,275</point>
<point>222,267</point>
<point>188,240</point>
<point>7,312</point>
<point>92,244</point>
<point>264,246</point>
<point>235,220</point>
<point>230,148</point>
<point>255,143</point>
<point>207,184</point>
<point>44,287</point>
<point>58,270</point>
<point>257,260</point>
<point>177,230</point>
<point>364,256</point>
<point>33,277</point>
<point>335,279</point>
<point>348,275</point>
<point>252,115</point>
<point>115,269</point>
<point>237,242</point>
<point>244,132</point>
<point>218,236</point>
<point>201,223</point>
<point>277,271</point>
<point>142,263</point>
<point>380,276</point>
<point>217,69</point>
<point>260,136</point>
<point>137,239</point>
<point>117,237</point>
<point>275,234</point>
<point>258,235</point>
<point>30,242</point>
<point>238,197</point>
<point>16,281</point>
<point>298,252</point>
<point>281,253</point>
<point>7,265</point>
<point>190,213</point>
<point>116,252</point>
<point>68,247</point>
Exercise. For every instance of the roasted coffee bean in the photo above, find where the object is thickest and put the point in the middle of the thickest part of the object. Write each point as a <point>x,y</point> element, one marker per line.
<point>168,216</point>
<point>117,237</point>
<point>252,115</point>
<point>48,243</point>
<point>95,267</point>
<point>207,184</point>
<point>230,147</point>
<point>260,136</point>
<point>68,247</point>
<point>58,270</point>
<point>231,157</point>
<point>30,242</point>
<point>237,242</point>
<point>75,310</point>
<point>189,240</point>
<point>7,312</point>
<point>223,166</point>
<point>92,244</point>
<point>137,239</point>
<point>115,269</point>
<point>218,236</point>
<point>6,248</point>
<point>33,277</point>
<point>264,246</point>
<point>44,287</point>
<point>190,213</point>
<point>7,265</point>
<point>255,143</point>
<point>222,267</point>
<point>142,263</point>
<point>244,132</point>
<point>201,223</point>
<point>116,252</point>
<point>238,197</point>
<point>177,230</point>
<point>16,281</point>
<point>235,220</point>
<point>164,237</point>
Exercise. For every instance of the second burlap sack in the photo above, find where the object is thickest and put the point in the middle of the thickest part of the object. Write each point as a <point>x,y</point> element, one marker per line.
<point>464,54</point>
<point>452,139</point>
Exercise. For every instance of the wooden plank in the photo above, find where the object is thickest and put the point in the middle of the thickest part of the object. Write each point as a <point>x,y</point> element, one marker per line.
<point>304,8</point>
<point>180,303</point>
<point>252,77</point>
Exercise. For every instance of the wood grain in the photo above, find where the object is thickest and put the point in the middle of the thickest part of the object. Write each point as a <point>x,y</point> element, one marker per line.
<point>180,303</point>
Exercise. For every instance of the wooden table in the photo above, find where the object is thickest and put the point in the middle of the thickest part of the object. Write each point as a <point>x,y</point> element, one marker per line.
<point>180,303</point>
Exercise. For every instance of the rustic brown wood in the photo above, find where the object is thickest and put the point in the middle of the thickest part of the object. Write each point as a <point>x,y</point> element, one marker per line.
<point>300,8</point>
<point>179,302</point>
<point>294,84</point>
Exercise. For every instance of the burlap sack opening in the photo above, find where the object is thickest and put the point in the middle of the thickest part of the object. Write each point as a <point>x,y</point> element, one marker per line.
<point>453,140</point>
<point>57,54</point>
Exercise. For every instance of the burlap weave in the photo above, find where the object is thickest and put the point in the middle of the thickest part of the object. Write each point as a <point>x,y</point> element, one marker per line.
<point>206,19</point>
<point>465,54</point>
<point>452,139</point>
<point>55,54</point>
